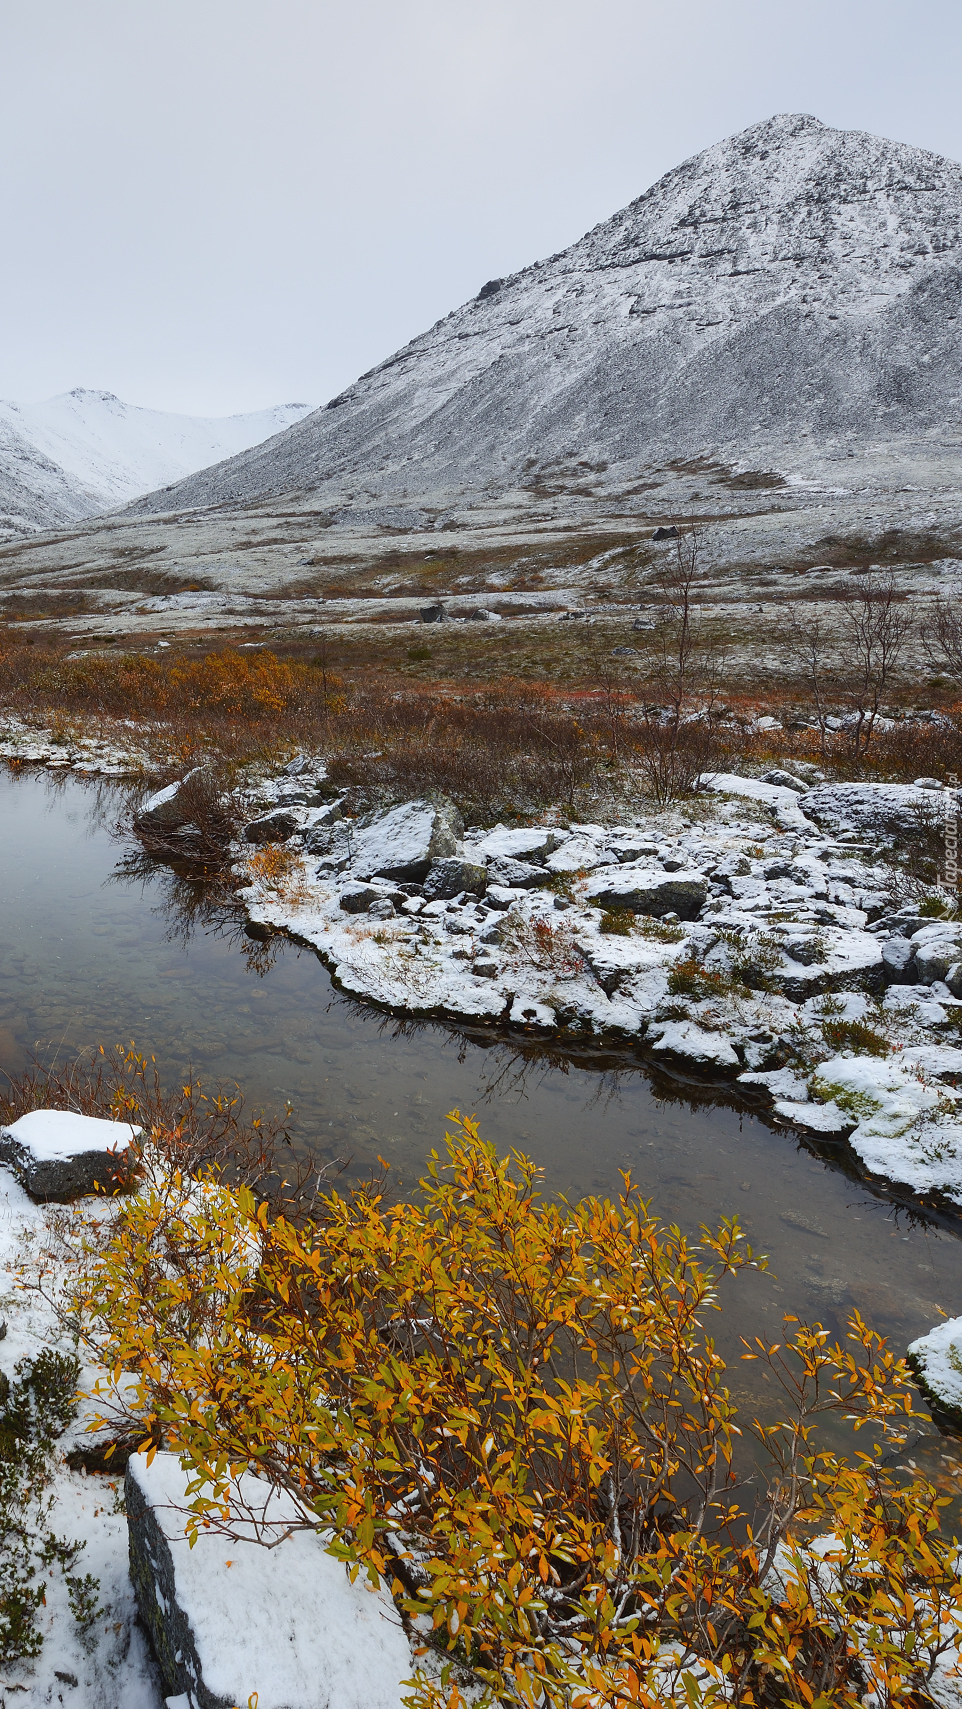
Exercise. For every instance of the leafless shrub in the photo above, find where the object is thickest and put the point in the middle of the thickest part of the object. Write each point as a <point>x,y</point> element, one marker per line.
<point>942,635</point>
<point>212,819</point>
<point>682,682</point>
<point>851,666</point>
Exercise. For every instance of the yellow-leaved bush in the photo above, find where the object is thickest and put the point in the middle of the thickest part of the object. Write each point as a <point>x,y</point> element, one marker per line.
<point>508,1410</point>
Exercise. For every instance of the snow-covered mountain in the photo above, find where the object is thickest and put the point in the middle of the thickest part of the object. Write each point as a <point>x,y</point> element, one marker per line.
<point>86,451</point>
<point>792,287</point>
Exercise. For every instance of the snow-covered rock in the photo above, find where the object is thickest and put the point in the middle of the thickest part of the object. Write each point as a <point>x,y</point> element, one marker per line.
<point>532,844</point>
<point>685,1039</point>
<point>59,1155</point>
<point>907,1127</point>
<point>229,1618</point>
<point>883,810</point>
<point>649,890</point>
<point>273,827</point>
<point>936,1359</point>
<point>454,876</point>
<point>402,842</point>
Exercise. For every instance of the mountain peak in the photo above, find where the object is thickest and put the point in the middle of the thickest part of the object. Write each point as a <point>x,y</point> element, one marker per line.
<point>791,284</point>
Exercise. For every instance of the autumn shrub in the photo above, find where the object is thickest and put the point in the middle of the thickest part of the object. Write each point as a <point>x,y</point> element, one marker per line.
<point>689,978</point>
<point>277,870</point>
<point>190,1127</point>
<point>533,941</point>
<point>511,1413</point>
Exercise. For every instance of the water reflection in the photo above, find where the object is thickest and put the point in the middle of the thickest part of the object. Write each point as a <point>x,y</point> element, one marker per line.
<point>97,945</point>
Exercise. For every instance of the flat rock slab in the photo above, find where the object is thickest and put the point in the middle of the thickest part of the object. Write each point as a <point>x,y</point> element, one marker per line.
<point>649,890</point>
<point>59,1155</point>
<point>229,1618</point>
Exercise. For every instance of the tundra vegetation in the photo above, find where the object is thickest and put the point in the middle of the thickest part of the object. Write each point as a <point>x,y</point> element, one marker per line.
<point>511,1412</point>
<point>619,727</point>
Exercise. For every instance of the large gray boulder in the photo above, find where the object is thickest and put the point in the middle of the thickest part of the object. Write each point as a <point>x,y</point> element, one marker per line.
<point>898,956</point>
<point>877,810</point>
<point>273,827</point>
<point>517,874</point>
<point>452,875</point>
<point>402,842</point>
<point>934,959</point>
<point>228,1617</point>
<point>58,1155</point>
<point>649,890</point>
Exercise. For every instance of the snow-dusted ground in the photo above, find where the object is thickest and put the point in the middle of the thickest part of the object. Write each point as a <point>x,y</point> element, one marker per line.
<point>111,1665</point>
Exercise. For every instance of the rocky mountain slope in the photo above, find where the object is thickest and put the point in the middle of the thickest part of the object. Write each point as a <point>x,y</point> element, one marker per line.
<point>86,451</point>
<point>788,296</point>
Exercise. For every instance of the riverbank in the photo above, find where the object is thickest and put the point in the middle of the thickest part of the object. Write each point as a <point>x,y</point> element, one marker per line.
<point>765,933</point>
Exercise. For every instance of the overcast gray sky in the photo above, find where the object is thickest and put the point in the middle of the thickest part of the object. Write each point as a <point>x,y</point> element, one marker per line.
<point>213,205</point>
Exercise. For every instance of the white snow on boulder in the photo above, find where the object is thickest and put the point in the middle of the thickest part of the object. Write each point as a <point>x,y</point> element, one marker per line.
<point>782,800</point>
<point>684,1038</point>
<point>402,842</point>
<point>230,1618</point>
<point>937,1357</point>
<point>58,1154</point>
<point>876,809</point>
<point>532,844</point>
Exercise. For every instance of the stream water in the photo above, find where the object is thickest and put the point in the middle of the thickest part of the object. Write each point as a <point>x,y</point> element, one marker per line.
<point>90,956</point>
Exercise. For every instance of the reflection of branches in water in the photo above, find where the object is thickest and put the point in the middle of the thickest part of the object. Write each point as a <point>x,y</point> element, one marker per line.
<point>101,798</point>
<point>192,902</point>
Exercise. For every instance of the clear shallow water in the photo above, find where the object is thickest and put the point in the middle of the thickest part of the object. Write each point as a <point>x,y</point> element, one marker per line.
<point>87,957</point>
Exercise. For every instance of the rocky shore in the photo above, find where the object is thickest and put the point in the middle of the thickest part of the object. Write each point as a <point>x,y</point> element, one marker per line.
<point>766,934</point>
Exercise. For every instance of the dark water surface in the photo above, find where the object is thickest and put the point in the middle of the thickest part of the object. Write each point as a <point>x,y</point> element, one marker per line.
<point>89,958</point>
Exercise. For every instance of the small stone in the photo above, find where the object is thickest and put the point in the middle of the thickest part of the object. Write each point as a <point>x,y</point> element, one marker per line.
<point>382,909</point>
<point>273,827</point>
<point>485,969</point>
<point>358,899</point>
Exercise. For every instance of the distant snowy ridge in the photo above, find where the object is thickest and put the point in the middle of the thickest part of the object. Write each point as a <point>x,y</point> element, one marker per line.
<point>794,286</point>
<point>86,451</point>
